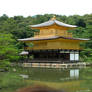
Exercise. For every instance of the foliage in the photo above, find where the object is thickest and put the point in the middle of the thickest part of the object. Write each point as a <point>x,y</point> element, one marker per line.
<point>8,50</point>
<point>18,27</point>
<point>86,55</point>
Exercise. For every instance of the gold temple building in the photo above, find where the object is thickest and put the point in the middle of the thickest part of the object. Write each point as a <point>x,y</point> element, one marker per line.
<point>53,43</point>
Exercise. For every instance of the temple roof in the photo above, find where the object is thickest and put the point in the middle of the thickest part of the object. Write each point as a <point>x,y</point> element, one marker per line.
<point>52,22</point>
<point>50,38</point>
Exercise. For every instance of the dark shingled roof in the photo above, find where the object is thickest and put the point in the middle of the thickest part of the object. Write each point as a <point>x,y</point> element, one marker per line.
<point>52,22</point>
<point>50,38</point>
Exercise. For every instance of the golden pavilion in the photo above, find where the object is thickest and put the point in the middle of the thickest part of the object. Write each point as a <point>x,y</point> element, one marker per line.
<point>53,43</point>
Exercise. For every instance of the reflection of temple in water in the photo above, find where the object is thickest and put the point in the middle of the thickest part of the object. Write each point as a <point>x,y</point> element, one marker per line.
<point>74,73</point>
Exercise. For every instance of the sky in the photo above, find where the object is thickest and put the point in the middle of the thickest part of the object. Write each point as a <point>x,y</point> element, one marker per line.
<point>34,7</point>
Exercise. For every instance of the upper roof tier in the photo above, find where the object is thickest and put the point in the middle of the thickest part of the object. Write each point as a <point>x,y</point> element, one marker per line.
<point>52,22</point>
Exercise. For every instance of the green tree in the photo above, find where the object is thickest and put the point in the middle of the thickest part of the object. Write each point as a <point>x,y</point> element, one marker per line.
<point>8,50</point>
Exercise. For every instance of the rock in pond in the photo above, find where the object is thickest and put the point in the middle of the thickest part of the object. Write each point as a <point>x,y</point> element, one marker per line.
<point>24,76</point>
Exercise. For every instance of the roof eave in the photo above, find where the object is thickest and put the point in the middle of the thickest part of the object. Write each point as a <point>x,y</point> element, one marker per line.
<point>51,38</point>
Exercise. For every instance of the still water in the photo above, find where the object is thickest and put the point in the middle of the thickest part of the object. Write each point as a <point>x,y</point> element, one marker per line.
<point>69,80</point>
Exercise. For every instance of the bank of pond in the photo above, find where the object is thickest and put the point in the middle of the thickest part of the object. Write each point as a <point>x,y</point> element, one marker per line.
<point>69,80</point>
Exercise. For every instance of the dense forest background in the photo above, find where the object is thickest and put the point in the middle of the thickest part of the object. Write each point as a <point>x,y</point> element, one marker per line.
<point>13,28</point>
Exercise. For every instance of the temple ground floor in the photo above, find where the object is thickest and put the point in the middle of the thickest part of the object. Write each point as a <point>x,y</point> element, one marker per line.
<point>53,56</point>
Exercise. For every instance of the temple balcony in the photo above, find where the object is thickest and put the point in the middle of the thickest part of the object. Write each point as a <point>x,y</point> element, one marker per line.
<point>64,34</point>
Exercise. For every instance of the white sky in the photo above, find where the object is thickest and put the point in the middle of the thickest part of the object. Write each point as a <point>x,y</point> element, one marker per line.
<point>34,7</point>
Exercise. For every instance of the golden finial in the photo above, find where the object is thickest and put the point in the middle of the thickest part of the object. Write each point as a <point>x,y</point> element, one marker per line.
<point>53,18</point>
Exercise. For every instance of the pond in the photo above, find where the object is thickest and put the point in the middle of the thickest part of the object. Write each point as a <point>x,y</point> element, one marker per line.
<point>69,80</point>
